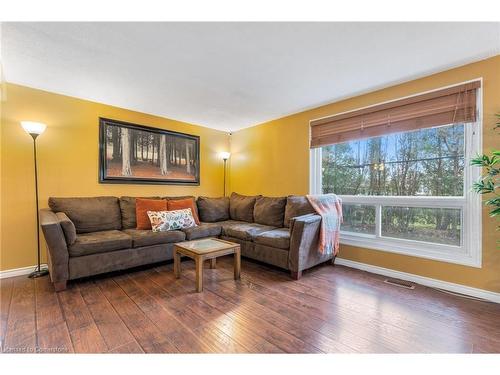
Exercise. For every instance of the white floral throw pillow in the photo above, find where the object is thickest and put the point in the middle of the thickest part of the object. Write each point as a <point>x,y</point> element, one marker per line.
<point>162,221</point>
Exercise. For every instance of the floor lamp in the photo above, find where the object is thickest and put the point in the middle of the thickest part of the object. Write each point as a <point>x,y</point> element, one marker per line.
<point>35,129</point>
<point>224,156</point>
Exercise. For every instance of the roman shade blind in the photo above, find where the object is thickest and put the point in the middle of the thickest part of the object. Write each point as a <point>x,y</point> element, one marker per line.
<point>451,105</point>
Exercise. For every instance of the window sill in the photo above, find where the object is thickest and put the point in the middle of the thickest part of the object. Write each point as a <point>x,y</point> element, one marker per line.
<point>442,253</point>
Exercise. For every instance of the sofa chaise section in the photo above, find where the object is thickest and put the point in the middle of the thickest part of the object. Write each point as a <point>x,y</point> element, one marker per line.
<point>281,231</point>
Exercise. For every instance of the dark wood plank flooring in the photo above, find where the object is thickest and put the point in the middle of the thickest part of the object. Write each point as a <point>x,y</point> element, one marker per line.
<point>332,309</point>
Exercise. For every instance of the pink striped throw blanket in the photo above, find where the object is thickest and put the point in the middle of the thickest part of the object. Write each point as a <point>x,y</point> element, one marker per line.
<point>329,207</point>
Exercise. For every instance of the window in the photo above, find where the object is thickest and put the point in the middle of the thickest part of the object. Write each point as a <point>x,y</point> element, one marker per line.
<point>407,192</point>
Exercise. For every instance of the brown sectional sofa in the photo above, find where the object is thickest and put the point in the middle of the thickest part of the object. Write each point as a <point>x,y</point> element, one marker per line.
<point>89,236</point>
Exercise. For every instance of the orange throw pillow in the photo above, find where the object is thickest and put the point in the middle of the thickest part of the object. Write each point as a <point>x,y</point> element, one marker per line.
<point>142,206</point>
<point>180,204</point>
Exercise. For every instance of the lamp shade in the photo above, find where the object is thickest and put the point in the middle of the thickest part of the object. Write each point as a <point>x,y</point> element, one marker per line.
<point>32,127</point>
<point>224,155</point>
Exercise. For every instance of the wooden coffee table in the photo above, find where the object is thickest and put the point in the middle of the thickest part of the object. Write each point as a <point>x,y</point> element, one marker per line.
<point>201,250</point>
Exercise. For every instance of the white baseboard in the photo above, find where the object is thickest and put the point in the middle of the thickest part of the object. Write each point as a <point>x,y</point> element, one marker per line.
<point>20,271</point>
<point>422,280</point>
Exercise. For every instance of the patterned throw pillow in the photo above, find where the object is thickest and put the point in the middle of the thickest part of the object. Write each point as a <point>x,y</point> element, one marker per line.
<point>162,221</point>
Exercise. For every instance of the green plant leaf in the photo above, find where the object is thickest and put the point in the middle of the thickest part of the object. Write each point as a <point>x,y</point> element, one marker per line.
<point>489,182</point>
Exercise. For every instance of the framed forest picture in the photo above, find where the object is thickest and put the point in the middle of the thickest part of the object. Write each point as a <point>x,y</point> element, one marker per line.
<point>137,154</point>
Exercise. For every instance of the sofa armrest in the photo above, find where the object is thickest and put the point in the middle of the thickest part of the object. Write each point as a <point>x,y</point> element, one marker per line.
<point>304,235</point>
<point>304,242</point>
<point>67,227</point>
<point>56,245</point>
<point>308,218</point>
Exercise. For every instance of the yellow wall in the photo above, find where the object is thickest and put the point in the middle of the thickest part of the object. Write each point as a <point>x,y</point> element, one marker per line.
<point>273,159</point>
<point>68,161</point>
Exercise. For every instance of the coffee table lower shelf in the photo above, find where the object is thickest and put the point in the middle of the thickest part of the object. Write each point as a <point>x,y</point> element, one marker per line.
<point>206,249</point>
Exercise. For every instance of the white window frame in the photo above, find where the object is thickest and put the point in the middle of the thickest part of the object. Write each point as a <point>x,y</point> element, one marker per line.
<point>469,252</point>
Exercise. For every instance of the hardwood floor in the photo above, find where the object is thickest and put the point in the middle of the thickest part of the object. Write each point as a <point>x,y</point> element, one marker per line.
<point>330,310</point>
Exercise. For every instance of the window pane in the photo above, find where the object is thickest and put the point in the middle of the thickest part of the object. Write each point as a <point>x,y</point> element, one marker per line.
<point>358,218</point>
<point>426,162</point>
<point>439,225</point>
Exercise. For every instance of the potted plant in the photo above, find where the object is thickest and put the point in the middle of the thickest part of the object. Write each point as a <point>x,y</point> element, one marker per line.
<point>489,183</point>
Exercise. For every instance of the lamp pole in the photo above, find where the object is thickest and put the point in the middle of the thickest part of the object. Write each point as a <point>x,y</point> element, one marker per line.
<point>225,160</point>
<point>224,156</point>
<point>34,129</point>
<point>38,271</point>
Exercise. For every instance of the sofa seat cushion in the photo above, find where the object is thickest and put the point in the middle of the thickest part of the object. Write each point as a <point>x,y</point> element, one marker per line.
<point>279,238</point>
<point>245,231</point>
<point>203,230</point>
<point>227,224</point>
<point>99,242</point>
<point>145,237</point>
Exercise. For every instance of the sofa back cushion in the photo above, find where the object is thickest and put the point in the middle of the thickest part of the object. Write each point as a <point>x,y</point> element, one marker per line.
<point>211,210</point>
<point>180,204</point>
<point>90,214</point>
<point>241,207</point>
<point>296,205</point>
<point>270,211</point>
<point>142,206</point>
<point>127,208</point>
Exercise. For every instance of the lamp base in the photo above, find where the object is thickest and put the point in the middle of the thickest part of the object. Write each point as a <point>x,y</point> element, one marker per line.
<point>38,273</point>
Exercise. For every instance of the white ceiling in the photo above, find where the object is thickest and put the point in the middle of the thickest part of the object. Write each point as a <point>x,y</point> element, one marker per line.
<point>229,76</point>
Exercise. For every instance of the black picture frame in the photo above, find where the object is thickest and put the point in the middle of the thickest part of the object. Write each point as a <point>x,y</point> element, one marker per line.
<point>108,166</point>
